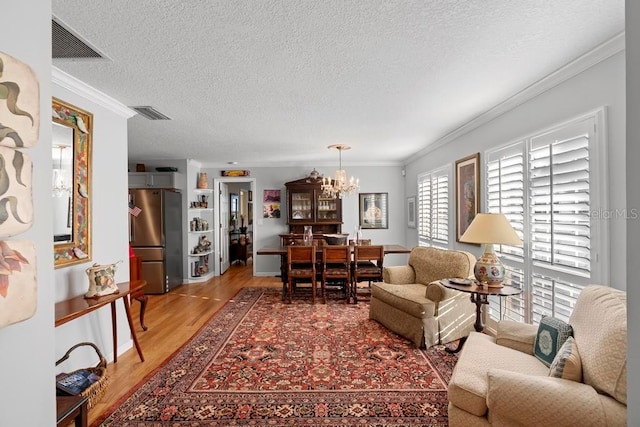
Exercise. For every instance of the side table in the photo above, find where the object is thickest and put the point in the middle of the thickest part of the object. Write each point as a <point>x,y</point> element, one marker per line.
<point>479,296</point>
<point>72,408</point>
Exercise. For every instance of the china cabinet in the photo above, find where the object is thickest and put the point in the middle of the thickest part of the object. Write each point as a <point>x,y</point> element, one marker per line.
<point>306,206</point>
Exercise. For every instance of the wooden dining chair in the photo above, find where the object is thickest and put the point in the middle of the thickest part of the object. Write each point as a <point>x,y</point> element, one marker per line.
<point>301,266</point>
<point>367,266</point>
<point>336,266</point>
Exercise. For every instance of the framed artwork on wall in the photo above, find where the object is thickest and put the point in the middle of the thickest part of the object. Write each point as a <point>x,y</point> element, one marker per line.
<point>411,212</point>
<point>271,204</point>
<point>373,210</point>
<point>467,192</point>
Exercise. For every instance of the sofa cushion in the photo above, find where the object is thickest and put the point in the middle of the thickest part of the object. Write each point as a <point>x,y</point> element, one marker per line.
<point>469,382</point>
<point>599,322</point>
<point>408,298</point>
<point>567,364</point>
<point>552,333</point>
<point>431,264</point>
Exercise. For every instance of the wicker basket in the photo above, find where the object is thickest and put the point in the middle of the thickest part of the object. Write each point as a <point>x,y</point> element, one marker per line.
<point>96,390</point>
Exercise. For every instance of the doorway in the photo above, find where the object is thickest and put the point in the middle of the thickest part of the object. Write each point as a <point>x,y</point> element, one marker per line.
<point>222,216</point>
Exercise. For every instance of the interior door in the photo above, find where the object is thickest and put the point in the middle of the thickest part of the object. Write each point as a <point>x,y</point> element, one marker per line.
<point>223,193</point>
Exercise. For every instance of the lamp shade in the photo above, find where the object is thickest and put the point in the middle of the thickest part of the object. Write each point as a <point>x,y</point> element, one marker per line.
<point>491,228</point>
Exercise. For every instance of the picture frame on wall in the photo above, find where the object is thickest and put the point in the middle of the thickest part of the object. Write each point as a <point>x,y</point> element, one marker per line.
<point>373,210</point>
<point>411,212</point>
<point>467,179</point>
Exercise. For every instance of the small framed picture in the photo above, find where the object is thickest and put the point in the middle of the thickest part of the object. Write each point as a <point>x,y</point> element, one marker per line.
<point>467,192</point>
<point>374,210</point>
<point>411,212</point>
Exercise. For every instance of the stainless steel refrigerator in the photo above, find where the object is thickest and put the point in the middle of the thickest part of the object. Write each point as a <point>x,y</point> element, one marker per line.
<point>155,235</point>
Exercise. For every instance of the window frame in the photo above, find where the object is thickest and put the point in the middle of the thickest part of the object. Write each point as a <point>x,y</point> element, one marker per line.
<point>599,229</point>
<point>443,171</point>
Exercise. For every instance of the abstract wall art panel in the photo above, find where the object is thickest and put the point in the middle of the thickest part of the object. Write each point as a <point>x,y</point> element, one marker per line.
<point>16,202</point>
<point>19,103</point>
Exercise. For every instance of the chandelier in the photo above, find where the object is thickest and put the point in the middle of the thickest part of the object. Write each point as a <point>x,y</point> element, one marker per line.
<point>338,186</point>
<point>61,185</point>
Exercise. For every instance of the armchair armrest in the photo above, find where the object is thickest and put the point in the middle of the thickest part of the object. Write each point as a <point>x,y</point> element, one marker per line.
<point>518,399</point>
<point>516,335</point>
<point>436,292</point>
<point>399,274</point>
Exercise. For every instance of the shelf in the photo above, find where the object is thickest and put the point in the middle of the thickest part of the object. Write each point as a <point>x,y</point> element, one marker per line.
<point>200,254</point>
<point>202,231</point>
<point>198,279</point>
<point>200,209</point>
<point>203,190</point>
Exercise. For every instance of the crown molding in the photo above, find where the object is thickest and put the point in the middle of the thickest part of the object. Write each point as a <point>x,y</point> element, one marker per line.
<point>79,87</point>
<point>601,52</point>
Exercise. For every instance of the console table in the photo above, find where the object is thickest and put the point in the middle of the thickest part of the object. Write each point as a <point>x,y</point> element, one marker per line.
<point>240,246</point>
<point>73,308</point>
<point>72,408</point>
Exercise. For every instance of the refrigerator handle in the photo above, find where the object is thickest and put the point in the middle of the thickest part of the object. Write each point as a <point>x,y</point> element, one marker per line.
<point>132,234</point>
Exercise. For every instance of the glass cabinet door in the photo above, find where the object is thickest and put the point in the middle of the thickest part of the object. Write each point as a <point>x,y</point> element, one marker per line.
<point>327,209</point>
<point>301,205</point>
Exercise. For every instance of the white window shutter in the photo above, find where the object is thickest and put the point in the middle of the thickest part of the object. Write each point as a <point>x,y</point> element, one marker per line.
<point>433,208</point>
<point>548,186</point>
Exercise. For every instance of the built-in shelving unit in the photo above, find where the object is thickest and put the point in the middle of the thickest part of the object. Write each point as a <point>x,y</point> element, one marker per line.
<point>200,235</point>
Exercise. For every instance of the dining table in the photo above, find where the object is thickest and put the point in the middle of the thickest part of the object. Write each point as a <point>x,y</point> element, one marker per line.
<point>281,251</point>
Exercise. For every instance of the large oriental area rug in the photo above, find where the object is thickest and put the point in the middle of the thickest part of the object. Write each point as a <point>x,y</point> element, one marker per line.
<point>261,362</point>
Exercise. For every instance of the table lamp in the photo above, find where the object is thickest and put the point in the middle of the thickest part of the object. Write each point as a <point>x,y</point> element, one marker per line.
<point>490,229</point>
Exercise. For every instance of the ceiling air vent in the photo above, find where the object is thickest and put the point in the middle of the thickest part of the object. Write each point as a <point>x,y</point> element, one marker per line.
<point>150,113</point>
<point>65,44</point>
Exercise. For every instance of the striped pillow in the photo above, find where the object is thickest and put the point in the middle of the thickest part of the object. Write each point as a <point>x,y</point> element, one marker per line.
<point>567,363</point>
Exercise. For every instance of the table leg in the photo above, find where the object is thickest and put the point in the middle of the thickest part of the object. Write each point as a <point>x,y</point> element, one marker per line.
<point>283,275</point>
<point>127,310</point>
<point>143,306</point>
<point>479,300</point>
<point>114,330</point>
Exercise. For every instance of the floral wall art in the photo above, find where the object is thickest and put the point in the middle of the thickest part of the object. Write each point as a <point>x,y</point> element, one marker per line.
<point>19,129</point>
<point>18,290</point>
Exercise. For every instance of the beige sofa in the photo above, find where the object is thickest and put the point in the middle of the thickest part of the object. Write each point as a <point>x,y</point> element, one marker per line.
<point>499,382</point>
<point>412,303</point>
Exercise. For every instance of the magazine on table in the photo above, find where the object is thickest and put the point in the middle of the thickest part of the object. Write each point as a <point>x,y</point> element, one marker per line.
<point>76,382</point>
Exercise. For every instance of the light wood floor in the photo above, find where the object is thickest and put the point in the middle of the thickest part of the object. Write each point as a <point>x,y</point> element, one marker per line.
<point>172,319</point>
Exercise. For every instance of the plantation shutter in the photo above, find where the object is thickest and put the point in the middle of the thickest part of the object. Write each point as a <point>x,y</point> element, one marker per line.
<point>505,194</point>
<point>551,181</point>
<point>433,208</point>
<point>560,237</point>
<point>560,206</point>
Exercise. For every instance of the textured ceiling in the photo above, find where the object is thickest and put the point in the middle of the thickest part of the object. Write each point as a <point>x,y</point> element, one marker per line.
<point>277,81</point>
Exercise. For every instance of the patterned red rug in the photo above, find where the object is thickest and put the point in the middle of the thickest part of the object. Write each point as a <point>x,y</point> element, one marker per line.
<point>260,362</point>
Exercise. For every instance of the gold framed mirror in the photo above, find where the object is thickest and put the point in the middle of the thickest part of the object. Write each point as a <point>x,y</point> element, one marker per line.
<point>71,160</point>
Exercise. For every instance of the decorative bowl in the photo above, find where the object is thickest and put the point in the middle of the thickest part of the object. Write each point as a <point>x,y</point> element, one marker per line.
<point>335,239</point>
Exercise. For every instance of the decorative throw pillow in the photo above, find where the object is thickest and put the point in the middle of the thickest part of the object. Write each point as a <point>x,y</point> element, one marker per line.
<point>552,333</point>
<point>567,363</point>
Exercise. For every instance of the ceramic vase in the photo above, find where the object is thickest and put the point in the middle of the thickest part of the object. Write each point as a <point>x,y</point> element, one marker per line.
<point>202,180</point>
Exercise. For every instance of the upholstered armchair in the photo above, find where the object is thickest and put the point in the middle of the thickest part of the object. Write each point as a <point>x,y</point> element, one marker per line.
<point>500,382</point>
<point>412,303</point>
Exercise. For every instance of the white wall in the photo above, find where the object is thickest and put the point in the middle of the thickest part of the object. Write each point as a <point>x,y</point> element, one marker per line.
<point>109,239</point>
<point>600,85</point>
<point>27,348</point>
<point>633,201</point>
